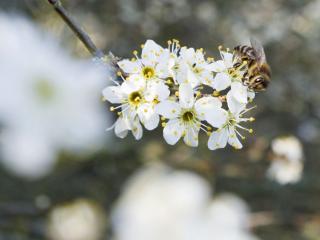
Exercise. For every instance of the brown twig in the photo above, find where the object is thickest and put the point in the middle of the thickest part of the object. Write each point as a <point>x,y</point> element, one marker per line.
<point>82,35</point>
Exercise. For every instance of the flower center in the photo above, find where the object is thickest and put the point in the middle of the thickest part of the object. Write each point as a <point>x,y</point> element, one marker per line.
<point>196,69</point>
<point>234,73</point>
<point>188,116</point>
<point>232,121</point>
<point>148,72</point>
<point>135,98</point>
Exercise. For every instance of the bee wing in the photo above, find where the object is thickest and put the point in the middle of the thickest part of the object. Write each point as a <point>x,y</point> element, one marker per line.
<point>259,51</point>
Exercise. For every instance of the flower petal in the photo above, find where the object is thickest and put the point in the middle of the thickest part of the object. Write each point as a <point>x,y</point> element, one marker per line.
<point>145,111</point>
<point>227,58</point>
<point>157,90</point>
<point>205,104</point>
<point>128,87</point>
<point>233,139</point>
<point>192,78</point>
<point>186,95</point>
<point>164,64</point>
<point>121,127</point>
<point>147,116</point>
<point>172,132</point>
<point>206,77</point>
<point>216,117</point>
<point>182,73</point>
<point>199,57</point>
<point>187,55</point>
<point>150,53</point>
<point>240,92</point>
<point>152,122</point>
<point>234,106</point>
<point>129,115</point>
<point>168,109</point>
<point>221,81</point>
<point>218,139</point>
<point>217,66</point>
<point>113,94</point>
<point>137,130</point>
<point>129,66</point>
<point>191,135</point>
<point>136,81</point>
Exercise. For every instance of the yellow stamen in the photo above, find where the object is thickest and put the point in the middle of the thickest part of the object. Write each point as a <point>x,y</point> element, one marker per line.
<point>216,93</point>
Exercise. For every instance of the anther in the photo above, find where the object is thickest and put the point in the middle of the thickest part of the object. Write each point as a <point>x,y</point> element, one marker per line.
<point>216,93</point>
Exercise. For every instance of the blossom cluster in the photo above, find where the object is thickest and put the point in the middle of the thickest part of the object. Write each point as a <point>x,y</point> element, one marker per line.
<point>185,91</point>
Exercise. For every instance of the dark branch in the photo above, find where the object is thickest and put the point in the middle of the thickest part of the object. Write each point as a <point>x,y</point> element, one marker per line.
<point>83,36</point>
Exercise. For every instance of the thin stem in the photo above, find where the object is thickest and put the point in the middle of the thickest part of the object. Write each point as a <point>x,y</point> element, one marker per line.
<point>82,35</point>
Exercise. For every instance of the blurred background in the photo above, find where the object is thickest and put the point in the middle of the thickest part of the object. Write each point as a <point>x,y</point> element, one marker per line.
<point>81,182</point>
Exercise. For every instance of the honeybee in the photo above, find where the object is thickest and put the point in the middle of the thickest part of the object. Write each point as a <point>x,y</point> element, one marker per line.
<point>258,76</point>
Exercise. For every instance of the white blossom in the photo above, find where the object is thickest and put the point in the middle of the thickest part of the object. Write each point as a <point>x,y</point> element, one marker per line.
<point>170,61</point>
<point>147,67</point>
<point>228,125</point>
<point>137,100</point>
<point>186,115</point>
<point>230,76</point>
<point>193,68</point>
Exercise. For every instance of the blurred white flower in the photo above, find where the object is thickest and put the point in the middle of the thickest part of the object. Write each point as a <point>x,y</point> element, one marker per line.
<point>288,147</point>
<point>79,220</point>
<point>27,154</point>
<point>287,161</point>
<point>160,203</point>
<point>49,101</point>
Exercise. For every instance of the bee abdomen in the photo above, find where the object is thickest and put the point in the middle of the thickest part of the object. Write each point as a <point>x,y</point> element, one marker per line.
<point>245,51</point>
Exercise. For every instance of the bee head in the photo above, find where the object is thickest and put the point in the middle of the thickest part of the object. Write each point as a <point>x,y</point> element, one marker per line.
<point>261,82</point>
<point>265,70</point>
